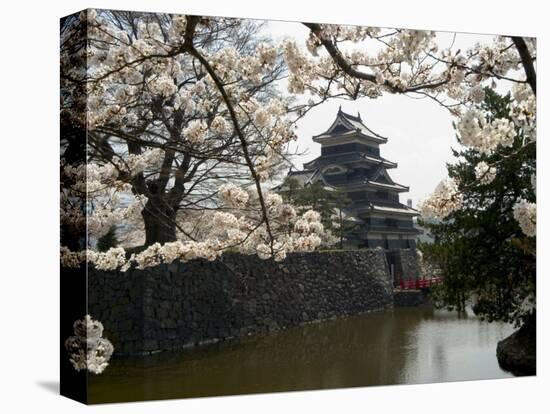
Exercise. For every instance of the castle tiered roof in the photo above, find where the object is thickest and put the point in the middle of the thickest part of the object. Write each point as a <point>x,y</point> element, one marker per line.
<point>350,160</point>
<point>357,148</point>
<point>347,126</point>
<point>349,157</point>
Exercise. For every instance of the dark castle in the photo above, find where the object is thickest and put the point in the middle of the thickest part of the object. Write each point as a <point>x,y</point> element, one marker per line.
<point>350,161</point>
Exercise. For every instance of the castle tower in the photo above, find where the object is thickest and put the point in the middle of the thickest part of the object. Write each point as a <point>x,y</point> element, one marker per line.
<point>350,160</point>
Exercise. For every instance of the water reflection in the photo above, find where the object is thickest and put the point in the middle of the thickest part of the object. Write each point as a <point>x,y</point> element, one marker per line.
<point>391,347</point>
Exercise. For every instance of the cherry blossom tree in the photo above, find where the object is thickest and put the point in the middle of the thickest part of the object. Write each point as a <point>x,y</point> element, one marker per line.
<point>181,117</point>
<point>172,103</point>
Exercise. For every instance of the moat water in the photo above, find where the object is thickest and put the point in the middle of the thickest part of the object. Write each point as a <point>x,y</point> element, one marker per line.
<point>400,346</point>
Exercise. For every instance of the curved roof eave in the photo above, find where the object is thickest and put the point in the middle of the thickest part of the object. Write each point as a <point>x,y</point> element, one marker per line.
<point>354,125</point>
<point>349,134</point>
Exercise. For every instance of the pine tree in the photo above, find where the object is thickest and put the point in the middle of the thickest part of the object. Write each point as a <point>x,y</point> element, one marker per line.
<point>108,240</point>
<point>483,254</point>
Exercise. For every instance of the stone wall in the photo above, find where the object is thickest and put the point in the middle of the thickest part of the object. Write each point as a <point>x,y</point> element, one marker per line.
<point>184,304</point>
<point>405,264</point>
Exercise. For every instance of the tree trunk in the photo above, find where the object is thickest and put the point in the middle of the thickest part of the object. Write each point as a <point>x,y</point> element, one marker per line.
<point>159,221</point>
<point>74,140</point>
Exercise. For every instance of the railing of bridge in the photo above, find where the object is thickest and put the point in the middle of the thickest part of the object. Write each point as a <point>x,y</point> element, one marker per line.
<point>405,284</point>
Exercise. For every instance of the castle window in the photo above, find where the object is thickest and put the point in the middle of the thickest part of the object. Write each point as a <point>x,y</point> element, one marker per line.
<point>372,150</point>
<point>391,222</point>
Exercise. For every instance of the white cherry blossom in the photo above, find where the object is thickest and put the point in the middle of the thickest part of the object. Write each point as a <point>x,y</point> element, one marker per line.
<point>485,173</point>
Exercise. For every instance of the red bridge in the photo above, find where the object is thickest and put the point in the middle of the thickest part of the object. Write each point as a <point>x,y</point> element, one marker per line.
<point>419,283</point>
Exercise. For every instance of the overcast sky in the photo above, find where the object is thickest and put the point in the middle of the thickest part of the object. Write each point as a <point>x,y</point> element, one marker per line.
<point>419,131</point>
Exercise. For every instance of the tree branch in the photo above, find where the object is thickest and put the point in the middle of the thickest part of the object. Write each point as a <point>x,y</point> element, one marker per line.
<point>343,64</point>
<point>527,62</point>
<point>192,21</point>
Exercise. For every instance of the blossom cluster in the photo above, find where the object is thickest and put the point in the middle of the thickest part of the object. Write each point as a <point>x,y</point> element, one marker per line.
<point>91,197</point>
<point>302,70</point>
<point>220,125</point>
<point>233,196</point>
<point>411,43</point>
<point>86,348</point>
<point>476,94</point>
<point>133,164</point>
<point>220,231</point>
<point>485,173</point>
<point>445,199</point>
<point>72,259</point>
<point>231,64</point>
<point>195,133</point>
<point>526,215</point>
<point>113,258</point>
<point>223,230</point>
<point>524,110</point>
<point>90,176</point>
<point>476,132</point>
